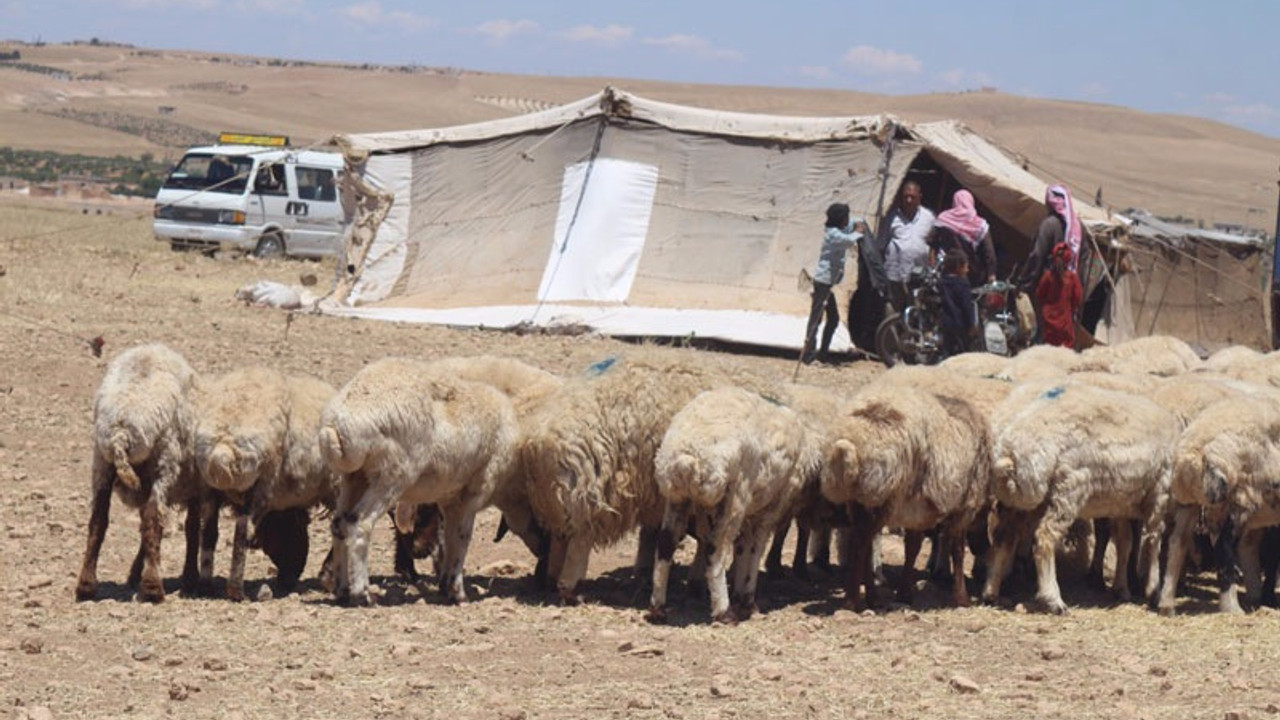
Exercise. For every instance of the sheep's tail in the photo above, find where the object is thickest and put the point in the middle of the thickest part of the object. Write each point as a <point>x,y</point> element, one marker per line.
<point>405,515</point>
<point>120,458</point>
<point>336,455</point>
<point>219,470</point>
<point>1003,469</point>
<point>839,480</point>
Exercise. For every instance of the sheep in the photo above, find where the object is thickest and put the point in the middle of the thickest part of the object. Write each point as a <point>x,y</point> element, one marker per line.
<point>589,450</point>
<point>1225,461</point>
<point>255,443</point>
<point>403,430</point>
<point>526,386</point>
<point>1152,355</point>
<point>735,462</point>
<point>143,422</point>
<point>1232,357</point>
<point>976,364</point>
<point>815,518</point>
<point>1049,361</point>
<point>1069,451</point>
<point>985,393</point>
<point>907,457</point>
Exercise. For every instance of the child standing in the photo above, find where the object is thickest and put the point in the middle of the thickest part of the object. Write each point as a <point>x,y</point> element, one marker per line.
<point>1060,294</point>
<point>959,313</point>
<point>840,235</point>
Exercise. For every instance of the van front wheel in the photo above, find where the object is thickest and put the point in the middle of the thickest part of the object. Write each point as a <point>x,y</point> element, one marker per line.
<point>270,245</point>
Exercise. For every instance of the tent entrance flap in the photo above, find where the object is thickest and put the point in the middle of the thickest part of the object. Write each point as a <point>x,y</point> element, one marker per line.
<point>605,207</point>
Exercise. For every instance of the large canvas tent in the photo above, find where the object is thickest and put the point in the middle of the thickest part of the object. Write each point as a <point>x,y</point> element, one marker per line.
<point>1206,287</point>
<point>641,218</point>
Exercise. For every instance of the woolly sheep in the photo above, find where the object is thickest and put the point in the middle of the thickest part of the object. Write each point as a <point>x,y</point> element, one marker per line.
<point>1232,357</point>
<point>403,430</point>
<point>1075,451</point>
<point>1040,362</point>
<point>589,453</point>
<point>1151,355</point>
<point>906,457</point>
<point>814,516</point>
<point>735,462</point>
<point>142,422</point>
<point>1225,461</point>
<point>255,443</point>
<point>526,386</point>
<point>976,364</point>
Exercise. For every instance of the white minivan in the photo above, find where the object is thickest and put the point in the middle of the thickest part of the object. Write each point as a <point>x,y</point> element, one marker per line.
<point>263,198</point>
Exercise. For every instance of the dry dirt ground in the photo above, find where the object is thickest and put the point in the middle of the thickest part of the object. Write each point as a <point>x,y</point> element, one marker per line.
<point>68,277</point>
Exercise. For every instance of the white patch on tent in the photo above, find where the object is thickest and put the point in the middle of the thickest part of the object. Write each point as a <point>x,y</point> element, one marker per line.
<point>605,207</point>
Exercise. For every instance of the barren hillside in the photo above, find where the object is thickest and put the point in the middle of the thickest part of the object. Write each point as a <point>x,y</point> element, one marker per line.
<point>111,100</point>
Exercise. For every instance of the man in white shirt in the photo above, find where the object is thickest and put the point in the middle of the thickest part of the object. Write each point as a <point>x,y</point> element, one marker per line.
<point>905,239</point>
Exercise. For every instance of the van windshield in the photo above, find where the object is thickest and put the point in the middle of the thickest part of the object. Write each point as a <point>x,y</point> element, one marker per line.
<point>213,173</point>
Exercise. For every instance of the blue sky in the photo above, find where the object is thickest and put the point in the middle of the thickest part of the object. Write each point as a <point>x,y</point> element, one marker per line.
<point>1216,60</point>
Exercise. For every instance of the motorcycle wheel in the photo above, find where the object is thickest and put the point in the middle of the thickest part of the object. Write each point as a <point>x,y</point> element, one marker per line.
<point>889,337</point>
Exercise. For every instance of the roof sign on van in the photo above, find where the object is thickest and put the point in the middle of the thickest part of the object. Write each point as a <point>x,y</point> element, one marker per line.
<point>233,138</point>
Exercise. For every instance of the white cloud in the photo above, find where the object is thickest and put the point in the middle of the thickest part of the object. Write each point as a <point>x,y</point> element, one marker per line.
<point>502,30</point>
<point>693,45</point>
<point>608,35</point>
<point>372,13</point>
<point>1220,98</point>
<point>875,61</point>
<point>819,72</point>
<point>275,7</point>
<point>961,79</point>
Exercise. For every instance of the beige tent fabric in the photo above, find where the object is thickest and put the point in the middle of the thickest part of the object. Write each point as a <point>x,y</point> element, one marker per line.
<point>736,214</point>
<point>1015,194</point>
<point>1206,293</point>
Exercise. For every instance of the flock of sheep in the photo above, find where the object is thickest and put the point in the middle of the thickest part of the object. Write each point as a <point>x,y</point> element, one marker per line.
<point>1144,438</point>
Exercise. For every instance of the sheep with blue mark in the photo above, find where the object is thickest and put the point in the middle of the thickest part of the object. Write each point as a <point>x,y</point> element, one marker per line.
<point>1068,450</point>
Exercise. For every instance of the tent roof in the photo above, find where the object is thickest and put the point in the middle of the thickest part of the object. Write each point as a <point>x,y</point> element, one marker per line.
<point>1145,225</point>
<point>615,103</point>
<point>1000,183</point>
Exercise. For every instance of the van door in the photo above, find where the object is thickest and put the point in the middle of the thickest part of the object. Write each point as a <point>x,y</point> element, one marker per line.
<point>316,212</point>
<point>269,199</point>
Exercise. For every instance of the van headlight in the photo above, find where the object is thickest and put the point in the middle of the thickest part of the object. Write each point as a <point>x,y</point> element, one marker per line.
<point>230,217</point>
<point>162,212</point>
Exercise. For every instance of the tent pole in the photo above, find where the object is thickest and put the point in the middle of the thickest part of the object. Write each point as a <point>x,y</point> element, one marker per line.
<point>886,160</point>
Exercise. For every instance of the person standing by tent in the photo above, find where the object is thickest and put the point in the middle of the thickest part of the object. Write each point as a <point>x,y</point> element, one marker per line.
<point>840,235</point>
<point>1061,225</point>
<point>959,313</point>
<point>906,241</point>
<point>961,229</point>
<point>1059,294</point>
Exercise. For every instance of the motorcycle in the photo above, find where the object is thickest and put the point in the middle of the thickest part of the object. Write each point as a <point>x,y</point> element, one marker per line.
<point>914,335</point>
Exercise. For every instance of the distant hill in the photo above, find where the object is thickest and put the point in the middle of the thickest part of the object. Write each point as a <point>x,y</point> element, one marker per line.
<point>110,100</point>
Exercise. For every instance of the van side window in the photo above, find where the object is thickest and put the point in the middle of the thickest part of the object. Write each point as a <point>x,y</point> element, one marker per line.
<point>316,184</point>
<point>270,180</point>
